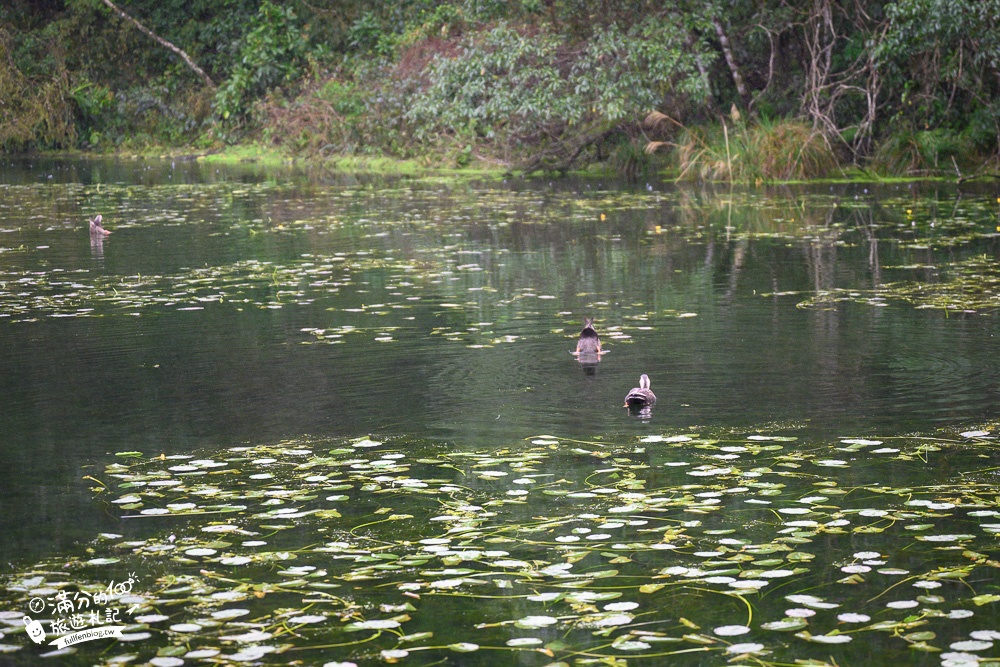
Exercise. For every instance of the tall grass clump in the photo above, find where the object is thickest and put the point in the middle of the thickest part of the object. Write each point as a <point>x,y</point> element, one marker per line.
<point>629,160</point>
<point>736,151</point>
<point>910,152</point>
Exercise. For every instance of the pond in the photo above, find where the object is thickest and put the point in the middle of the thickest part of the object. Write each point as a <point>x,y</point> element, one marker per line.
<point>308,418</point>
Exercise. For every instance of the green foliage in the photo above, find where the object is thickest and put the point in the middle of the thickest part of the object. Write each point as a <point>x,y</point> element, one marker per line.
<point>355,111</point>
<point>908,152</point>
<point>981,130</point>
<point>346,98</point>
<point>945,27</point>
<point>368,36</point>
<point>35,111</point>
<point>941,60</point>
<point>270,56</point>
<point>92,100</point>
<point>211,31</point>
<point>502,81</point>
<point>440,22</point>
<point>488,11</point>
<point>516,87</point>
<point>624,74</point>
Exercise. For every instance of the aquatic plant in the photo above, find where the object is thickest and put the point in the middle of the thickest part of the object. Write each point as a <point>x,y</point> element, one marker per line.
<point>682,545</point>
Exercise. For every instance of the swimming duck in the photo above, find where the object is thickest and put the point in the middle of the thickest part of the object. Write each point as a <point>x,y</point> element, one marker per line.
<point>589,343</point>
<point>95,227</point>
<point>640,396</point>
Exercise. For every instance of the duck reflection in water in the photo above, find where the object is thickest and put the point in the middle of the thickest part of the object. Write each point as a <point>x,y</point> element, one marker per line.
<point>588,348</point>
<point>97,247</point>
<point>640,400</point>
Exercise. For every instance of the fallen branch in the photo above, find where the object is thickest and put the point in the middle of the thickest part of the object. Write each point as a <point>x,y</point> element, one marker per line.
<point>185,57</point>
<point>562,154</point>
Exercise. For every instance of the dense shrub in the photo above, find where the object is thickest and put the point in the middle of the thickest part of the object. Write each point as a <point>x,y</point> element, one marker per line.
<point>271,55</point>
<point>907,152</point>
<point>36,109</point>
<point>521,90</point>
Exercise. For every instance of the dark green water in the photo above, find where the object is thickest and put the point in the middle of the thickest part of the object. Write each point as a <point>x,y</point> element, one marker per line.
<point>238,308</point>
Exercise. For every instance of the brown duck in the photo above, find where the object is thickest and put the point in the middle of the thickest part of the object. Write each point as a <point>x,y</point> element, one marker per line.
<point>641,396</point>
<point>95,227</point>
<point>590,342</point>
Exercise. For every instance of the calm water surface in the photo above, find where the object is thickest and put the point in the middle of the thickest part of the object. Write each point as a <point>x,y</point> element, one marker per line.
<point>239,308</point>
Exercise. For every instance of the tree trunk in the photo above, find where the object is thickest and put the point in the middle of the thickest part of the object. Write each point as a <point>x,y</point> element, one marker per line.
<point>185,57</point>
<point>734,68</point>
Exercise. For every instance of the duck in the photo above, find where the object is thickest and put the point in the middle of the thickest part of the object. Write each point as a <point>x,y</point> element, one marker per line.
<point>590,342</point>
<point>95,227</point>
<point>641,396</point>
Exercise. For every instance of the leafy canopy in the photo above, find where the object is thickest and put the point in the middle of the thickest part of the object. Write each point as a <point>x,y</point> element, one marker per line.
<point>513,82</point>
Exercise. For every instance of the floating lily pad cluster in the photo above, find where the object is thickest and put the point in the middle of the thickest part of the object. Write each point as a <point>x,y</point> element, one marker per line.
<point>249,283</point>
<point>698,548</point>
<point>455,248</point>
<point>969,285</point>
<point>340,282</point>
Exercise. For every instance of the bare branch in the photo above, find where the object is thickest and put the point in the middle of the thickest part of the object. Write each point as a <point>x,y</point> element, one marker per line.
<point>185,57</point>
<point>770,66</point>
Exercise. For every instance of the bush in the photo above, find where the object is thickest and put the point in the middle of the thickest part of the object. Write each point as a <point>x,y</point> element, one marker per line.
<point>367,36</point>
<point>36,111</point>
<point>524,92</point>
<point>271,55</point>
<point>907,152</point>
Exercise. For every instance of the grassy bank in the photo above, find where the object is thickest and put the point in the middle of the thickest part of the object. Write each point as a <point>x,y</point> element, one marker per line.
<point>701,154</point>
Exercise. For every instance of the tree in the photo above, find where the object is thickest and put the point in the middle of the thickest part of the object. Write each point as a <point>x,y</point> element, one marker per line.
<point>526,91</point>
<point>941,59</point>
